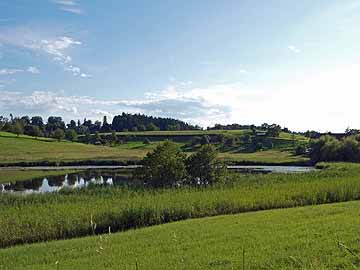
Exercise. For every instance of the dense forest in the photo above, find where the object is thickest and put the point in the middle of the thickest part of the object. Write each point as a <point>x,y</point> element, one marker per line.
<point>57,128</point>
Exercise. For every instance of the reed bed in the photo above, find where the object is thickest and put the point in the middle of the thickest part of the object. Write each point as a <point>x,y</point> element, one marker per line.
<point>75,213</point>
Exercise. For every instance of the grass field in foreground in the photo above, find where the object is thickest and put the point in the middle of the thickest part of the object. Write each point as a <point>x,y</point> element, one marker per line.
<point>42,217</point>
<point>7,176</point>
<point>315,237</point>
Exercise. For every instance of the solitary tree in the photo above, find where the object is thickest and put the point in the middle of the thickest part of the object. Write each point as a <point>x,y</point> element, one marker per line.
<point>59,134</point>
<point>165,166</point>
<point>152,127</point>
<point>71,135</point>
<point>114,138</point>
<point>204,167</point>
<point>18,128</point>
<point>205,139</point>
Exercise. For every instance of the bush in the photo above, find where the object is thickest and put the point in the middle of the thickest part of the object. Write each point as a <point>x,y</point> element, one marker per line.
<point>204,167</point>
<point>328,148</point>
<point>71,135</point>
<point>165,166</point>
<point>205,139</point>
<point>59,134</point>
<point>300,150</point>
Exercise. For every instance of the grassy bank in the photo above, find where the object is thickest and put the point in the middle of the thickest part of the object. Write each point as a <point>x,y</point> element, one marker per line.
<point>263,157</point>
<point>29,151</point>
<point>69,214</point>
<point>315,237</point>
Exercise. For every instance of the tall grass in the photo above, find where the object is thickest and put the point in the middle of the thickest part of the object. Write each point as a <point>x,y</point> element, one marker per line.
<point>69,214</point>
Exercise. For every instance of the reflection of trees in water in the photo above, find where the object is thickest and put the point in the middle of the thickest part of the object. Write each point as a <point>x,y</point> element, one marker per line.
<point>56,180</point>
<point>75,180</point>
<point>72,178</point>
<point>25,185</point>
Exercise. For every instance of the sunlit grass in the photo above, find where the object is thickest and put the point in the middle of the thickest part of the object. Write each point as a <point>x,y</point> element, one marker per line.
<point>315,237</point>
<point>67,214</point>
<point>31,150</point>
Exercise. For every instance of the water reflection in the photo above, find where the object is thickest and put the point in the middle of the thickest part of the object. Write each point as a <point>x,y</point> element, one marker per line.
<point>111,177</point>
<point>71,181</point>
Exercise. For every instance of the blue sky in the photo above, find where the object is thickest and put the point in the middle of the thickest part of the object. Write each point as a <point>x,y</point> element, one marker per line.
<point>291,62</point>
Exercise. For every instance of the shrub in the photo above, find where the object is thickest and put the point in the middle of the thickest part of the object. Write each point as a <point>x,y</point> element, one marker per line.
<point>205,139</point>
<point>328,148</point>
<point>59,134</point>
<point>71,135</point>
<point>204,167</point>
<point>165,166</point>
<point>300,150</point>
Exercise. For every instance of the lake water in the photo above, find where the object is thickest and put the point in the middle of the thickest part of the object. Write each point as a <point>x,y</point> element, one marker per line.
<point>113,176</point>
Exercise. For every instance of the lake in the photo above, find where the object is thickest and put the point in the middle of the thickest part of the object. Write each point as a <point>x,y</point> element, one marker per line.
<point>114,175</point>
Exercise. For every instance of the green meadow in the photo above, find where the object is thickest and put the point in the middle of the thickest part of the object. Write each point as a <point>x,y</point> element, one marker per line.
<point>70,213</point>
<point>29,150</point>
<point>313,237</point>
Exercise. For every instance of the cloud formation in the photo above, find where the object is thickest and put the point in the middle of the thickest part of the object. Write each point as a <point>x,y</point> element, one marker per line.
<point>167,103</point>
<point>69,6</point>
<point>307,102</point>
<point>12,71</point>
<point>55,47</point>
<point>294,49</point>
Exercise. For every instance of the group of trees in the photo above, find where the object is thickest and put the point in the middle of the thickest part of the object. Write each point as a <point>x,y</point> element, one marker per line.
<point>36,127</point>
<point>55,126</point>
<point>270,130</point>
<point>329,148</point>
<point>168,166</point>
<point>140,122</point>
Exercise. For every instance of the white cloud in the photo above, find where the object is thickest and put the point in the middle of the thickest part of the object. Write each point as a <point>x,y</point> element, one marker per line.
<point>75,70</point>
<point>84,75</point>
<point>66,2</point>
<point>294,49</point>
<point>12,71</point>
<point>320,101</point>
<point>69,6</point>
<point>33,70</point>
<point>165,103</point>
<point>56,47</point>
<point>6,71</point>
<point>74,10</point>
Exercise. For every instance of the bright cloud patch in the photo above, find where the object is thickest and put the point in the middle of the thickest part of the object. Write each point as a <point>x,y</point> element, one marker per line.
<point>309,102</point>
<point>294,49</point>
<point>69,6</point>
<point>10,71</point>
<point>55,47</point>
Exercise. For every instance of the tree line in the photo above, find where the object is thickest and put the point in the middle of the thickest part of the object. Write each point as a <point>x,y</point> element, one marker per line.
<point>56,127</point>
<point>270,130</point>
<point>329,148</point>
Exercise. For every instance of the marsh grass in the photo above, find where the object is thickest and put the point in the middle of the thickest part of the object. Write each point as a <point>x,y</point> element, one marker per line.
<point>304,238</point>
<point>36,218</point>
